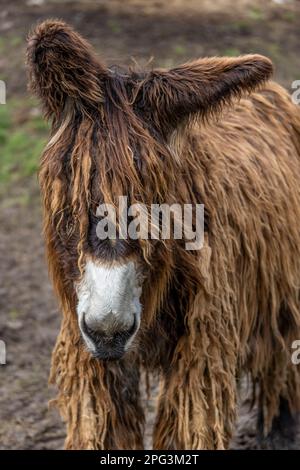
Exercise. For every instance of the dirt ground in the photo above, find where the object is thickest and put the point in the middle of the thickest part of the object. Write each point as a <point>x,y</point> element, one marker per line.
<point>171,32</point>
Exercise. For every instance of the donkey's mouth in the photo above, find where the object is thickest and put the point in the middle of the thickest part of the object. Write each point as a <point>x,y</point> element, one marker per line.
<point>104,355</point>
<point>108,346</point>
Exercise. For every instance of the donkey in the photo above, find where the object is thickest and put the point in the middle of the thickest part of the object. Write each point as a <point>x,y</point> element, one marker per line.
<point>213,131</point>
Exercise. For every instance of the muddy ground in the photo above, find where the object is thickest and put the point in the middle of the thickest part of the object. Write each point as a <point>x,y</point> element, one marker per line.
<point>171,32</point>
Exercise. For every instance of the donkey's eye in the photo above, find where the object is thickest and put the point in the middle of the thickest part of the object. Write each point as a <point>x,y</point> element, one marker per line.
<point>108,248</point>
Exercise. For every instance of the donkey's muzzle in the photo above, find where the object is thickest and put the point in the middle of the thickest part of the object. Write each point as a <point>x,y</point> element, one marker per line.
<point>109,345</point>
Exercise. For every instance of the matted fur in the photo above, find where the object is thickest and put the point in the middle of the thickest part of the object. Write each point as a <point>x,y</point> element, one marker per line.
<point>200,133</point>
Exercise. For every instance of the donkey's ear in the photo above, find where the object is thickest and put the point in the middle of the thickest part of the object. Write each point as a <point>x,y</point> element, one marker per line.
<point>61,65</point>
<point>201,87</point>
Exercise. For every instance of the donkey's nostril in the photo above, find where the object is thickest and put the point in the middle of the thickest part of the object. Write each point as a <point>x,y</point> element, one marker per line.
<point>92,330</point>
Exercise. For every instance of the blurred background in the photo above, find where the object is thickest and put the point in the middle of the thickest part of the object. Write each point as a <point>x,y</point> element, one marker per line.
<point>167,32</point>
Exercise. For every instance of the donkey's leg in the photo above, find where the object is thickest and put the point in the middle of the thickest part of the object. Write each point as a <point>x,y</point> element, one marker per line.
<point>197,404</point>
<point>282,434</point>
<point>277,427</point>
<point>99,401</point>
<point>108,409</point>
<point>279,385</point>
<point>126,418</point>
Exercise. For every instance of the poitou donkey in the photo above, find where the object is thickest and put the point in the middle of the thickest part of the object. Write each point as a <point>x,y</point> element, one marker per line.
<point>214,131</point>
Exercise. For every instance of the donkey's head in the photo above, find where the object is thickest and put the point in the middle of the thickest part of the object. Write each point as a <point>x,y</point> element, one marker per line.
<point>113,135</point>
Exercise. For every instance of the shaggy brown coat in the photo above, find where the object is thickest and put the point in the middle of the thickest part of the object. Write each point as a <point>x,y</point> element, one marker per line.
<point>213,131</point>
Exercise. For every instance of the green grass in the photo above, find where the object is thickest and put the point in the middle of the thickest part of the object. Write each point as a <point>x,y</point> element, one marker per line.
<point>256,14</point>
<point>274,51</point>
<point>14,314</point>
<point>16,41</point>
<point>114,26</point>
<point>22,138</point>
<point>179,49</point>
<point>289,16</point>
<point>2,45</point>
<point>232,52</point>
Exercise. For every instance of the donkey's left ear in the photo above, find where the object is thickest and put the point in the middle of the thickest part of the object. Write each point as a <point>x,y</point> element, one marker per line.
<point>62,65</point>
<point>201,88</point>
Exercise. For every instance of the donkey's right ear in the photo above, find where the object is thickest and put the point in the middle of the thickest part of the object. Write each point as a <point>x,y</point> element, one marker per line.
<point>61,65</point>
